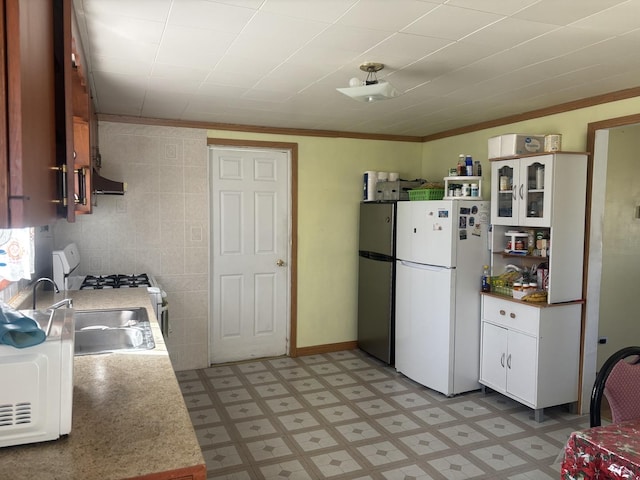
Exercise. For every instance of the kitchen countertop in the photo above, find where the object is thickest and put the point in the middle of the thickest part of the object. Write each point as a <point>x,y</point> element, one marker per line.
<point>129,417</point>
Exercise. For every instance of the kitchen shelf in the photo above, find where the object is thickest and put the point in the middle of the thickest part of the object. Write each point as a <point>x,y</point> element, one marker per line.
<point>517,255</point>
<point>463,179</point>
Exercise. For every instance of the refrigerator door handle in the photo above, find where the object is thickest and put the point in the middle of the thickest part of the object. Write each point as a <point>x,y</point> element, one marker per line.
<point>422,266</point>
<point>379,257</point>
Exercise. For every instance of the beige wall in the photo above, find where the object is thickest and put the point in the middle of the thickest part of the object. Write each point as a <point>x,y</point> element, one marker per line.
<point>161,225</point>
<point>329,192</point>
<point>166,212</point>
<point>439,155</point>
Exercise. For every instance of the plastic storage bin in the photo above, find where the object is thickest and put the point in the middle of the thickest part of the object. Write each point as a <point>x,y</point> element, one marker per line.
<point>426,194</point>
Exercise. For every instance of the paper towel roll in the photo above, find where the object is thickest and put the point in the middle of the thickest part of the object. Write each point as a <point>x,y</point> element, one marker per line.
<point>370,180</point>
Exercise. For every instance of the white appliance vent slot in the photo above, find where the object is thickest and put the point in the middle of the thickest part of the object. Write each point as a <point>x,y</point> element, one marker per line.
<point>18,414</point>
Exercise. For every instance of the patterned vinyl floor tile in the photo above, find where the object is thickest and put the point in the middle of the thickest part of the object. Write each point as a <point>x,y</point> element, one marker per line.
<point>347,416</point>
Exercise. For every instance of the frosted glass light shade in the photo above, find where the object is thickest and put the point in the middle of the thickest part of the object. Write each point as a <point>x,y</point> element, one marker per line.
<point>382,90</point>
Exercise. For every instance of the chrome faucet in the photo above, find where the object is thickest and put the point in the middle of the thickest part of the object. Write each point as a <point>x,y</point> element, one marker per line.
<point>38,281</point>
<point>66,301</point>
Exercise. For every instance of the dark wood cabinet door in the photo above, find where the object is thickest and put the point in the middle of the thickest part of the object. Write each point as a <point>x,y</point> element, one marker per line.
<point>30,107</point>
<point>4,132</point>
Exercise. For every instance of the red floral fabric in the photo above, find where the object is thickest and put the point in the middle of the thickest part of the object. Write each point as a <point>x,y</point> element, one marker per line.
<point>602,453</point>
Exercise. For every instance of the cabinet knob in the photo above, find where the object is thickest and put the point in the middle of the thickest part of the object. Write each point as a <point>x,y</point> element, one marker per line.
<point>503,313</point>
<point>502,360</point>
<point>509,361</point>
<point>512,315</point>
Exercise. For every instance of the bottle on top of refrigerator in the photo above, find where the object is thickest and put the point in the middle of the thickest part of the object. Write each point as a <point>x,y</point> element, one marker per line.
<point>461,168</point>
<point>469,165</point>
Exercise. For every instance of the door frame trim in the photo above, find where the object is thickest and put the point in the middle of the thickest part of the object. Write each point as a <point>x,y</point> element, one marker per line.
<point>292,148</point>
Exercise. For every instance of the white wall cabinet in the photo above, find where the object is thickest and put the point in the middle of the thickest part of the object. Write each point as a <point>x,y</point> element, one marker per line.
<point>530,353</point>
<point>524,189</point>
<point>563,199</point>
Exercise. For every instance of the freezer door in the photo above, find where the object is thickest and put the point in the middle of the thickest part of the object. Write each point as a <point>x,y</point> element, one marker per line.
<point>376,308</point>
<point>377,228</point>
<point>427,232</point>
<point>425,324</point>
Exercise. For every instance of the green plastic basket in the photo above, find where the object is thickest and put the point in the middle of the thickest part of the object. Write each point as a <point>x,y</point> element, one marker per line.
<point>426,194</point>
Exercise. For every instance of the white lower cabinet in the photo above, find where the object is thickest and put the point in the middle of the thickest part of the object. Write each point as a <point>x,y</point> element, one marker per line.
<point>530,353</point>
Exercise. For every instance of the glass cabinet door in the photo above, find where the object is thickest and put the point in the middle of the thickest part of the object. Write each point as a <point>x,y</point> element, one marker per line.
<point>521,191</point>
<point>535,194</point>
<point>504,188</point>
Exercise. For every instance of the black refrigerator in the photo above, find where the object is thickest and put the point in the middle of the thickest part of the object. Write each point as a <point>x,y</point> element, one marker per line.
<point>376,279</point>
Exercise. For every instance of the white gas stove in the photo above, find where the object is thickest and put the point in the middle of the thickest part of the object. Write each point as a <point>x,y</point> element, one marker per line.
<point>67,260</point>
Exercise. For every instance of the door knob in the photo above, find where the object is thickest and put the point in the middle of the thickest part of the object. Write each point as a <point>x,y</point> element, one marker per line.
<point>280,263</point>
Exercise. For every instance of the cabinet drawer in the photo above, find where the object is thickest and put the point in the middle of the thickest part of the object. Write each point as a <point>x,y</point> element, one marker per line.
<point>512,315</point>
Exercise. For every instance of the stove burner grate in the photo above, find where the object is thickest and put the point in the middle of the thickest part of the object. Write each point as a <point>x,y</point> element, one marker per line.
<point>93,282</point>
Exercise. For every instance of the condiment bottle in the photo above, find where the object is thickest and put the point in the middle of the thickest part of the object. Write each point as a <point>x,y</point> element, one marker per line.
<point>461,167</point>
<point>465,190</point>
<point>469,165</point>
<point>517,287</point>
<point>531,241</point>
<point>486,281</point>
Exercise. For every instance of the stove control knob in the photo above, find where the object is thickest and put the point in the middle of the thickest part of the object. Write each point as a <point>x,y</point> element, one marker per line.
<point>280,263</point>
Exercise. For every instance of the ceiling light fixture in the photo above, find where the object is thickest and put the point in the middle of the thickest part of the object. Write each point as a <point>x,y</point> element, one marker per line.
<point>372,89</point>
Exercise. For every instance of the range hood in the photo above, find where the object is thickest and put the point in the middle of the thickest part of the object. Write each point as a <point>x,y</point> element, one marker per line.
<point>104,186</point>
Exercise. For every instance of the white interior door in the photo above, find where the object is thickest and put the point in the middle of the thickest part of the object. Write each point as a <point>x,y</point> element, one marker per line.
<point>250,206</point>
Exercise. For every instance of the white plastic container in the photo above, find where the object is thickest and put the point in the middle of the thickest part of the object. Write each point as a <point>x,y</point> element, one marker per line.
<point>519,144</point>
<point>495,147</point>
<point>369,185</point>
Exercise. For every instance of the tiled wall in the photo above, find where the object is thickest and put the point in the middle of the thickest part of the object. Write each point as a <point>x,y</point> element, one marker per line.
<point>160,226</point>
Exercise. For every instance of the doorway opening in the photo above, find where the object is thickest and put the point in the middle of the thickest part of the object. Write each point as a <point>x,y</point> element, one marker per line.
<point>598,144</point>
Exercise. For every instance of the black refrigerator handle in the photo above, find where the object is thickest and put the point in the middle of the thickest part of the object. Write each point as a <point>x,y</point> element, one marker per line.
<point>379,257</point>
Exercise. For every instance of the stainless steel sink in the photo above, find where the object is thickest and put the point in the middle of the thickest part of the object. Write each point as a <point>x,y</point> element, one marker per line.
<point>110,330</point>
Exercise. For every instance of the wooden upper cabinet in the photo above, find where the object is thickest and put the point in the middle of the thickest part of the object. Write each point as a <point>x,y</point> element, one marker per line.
<point>75,114</point>
<point>82,167</point>
<point>4,132</point>
<point>29,189</point>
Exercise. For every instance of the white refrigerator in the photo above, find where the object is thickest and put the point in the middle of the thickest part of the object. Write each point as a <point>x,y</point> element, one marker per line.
<point>441,248</point>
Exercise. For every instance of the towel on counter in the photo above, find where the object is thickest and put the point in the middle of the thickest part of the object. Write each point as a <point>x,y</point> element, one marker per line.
<point>18,330</point>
